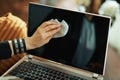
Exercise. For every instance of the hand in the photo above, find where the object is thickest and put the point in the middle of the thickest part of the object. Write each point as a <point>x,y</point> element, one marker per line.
<point>42,35</point>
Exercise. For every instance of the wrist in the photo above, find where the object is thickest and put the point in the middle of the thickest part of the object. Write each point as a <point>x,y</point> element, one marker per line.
<point>29,44</point>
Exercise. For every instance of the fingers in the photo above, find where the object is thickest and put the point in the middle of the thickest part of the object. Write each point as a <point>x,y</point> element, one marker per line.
<point>48,23</point>
<point>53,31</point>
<point>49,28</point>
<point>52,27</point>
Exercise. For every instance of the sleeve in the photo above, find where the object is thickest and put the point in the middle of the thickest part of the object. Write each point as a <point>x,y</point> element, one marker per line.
<point>5,50</point>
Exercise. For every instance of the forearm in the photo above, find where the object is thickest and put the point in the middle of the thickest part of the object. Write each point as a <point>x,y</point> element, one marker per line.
<point>29,44</point>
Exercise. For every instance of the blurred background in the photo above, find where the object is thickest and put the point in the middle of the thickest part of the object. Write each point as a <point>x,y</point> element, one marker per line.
<point>20,7</point>
<point>109,8</point>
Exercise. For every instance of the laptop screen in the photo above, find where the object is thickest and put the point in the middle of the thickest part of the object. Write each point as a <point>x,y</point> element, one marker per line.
<point>84,46</point>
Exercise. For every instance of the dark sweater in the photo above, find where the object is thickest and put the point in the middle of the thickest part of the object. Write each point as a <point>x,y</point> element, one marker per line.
<point>5,50</point>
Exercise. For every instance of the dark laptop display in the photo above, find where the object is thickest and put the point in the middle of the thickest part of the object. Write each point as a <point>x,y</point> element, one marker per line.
<point>85,44</point>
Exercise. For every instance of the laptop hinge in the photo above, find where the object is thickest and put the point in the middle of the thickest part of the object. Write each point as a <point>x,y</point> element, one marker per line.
<point>30,56</point>
<point>97,76</point>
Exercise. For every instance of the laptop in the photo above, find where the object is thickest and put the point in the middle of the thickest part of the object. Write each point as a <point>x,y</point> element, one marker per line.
<point>79,55</point>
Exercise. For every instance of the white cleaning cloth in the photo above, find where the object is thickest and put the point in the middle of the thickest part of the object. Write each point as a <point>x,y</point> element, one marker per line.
<point>64,29</point>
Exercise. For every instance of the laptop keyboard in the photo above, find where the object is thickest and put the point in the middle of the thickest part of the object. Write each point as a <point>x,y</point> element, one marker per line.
<point>31,71</point>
